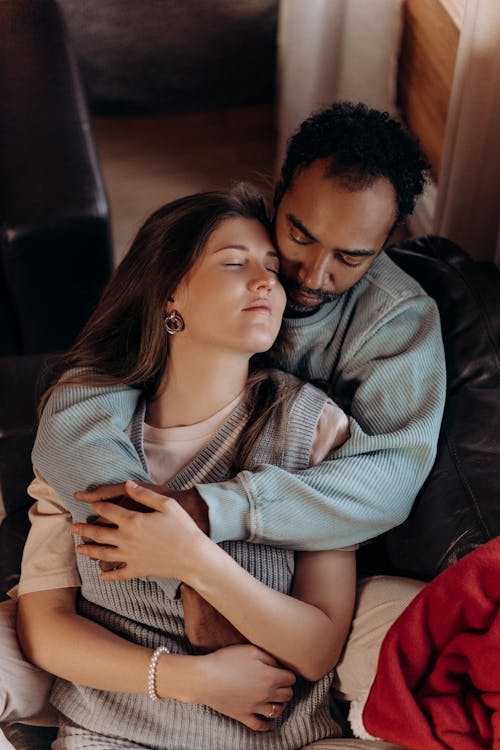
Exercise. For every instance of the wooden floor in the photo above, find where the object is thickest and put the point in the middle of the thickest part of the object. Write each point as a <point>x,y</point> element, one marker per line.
<point>149,160</point>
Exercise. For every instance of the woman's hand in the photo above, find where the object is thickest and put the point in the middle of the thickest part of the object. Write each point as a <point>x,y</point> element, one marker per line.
<point>162,543</point>
<point>189,499</point>
<point>245,683</point>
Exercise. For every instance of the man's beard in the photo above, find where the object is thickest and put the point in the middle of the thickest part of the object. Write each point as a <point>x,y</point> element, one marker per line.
<point>294,288</point>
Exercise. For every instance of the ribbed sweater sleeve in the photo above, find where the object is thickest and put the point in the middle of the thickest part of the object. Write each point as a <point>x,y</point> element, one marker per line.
<point>81,440</point>
<point>380,351</point>
<point>395,382</point>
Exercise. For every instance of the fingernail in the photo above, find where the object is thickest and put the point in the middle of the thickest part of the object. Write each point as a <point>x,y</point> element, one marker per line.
<point>133,484</point>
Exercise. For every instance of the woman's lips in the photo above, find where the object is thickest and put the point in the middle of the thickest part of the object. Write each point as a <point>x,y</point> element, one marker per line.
<point>261,307</point>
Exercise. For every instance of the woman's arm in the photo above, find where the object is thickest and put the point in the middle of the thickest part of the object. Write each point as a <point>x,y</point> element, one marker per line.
<point>239,681</point>
<point>305,632</point>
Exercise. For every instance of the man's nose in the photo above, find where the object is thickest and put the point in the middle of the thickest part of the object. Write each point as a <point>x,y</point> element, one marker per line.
<point>314,272</point>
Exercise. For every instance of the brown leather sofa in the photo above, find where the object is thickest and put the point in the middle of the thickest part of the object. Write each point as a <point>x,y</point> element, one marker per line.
<point>55,246</point>
<point>56,257</point>
<point>458,507</point>
<point>55,238</point>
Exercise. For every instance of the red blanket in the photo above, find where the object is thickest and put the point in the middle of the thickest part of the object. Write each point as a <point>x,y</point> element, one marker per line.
<point>438,677</point>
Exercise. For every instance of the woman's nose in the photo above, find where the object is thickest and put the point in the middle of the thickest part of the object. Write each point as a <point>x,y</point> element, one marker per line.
<point>264,280</point>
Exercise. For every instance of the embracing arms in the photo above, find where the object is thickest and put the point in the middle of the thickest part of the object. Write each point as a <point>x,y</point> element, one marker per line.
<point>393,385</point>
<point>305,632</point>
<point>247,679</point>
<point>239,681</point>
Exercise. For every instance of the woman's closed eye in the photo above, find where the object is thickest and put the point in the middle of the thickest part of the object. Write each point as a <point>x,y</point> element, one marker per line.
<point>241,264</point>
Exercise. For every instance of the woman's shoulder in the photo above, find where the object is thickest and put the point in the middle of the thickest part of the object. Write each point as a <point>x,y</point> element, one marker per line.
<point>285,380</point>
<point>299,406</point>
<point>311,415</point>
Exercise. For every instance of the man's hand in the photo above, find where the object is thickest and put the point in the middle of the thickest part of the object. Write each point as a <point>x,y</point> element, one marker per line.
<point>193,503</point>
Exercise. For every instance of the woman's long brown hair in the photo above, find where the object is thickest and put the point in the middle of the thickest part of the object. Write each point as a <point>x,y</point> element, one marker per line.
<point>124,341</point>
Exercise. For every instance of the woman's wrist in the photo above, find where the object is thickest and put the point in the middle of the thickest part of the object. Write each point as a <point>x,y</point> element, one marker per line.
<point>200,562</point>
<point>209,567</point>
<point>178,676</point>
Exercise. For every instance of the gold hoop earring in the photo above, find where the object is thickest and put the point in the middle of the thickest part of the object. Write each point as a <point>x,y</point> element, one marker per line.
<point>174,323</point>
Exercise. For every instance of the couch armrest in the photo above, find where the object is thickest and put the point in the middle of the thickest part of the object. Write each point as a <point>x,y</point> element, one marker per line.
<point>22,380</point>
<point>55,243</point>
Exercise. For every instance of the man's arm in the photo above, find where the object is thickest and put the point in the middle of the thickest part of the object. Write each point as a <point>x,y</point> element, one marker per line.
<point>304,632</point>
<point>397,382</point>
<point>81,440</point>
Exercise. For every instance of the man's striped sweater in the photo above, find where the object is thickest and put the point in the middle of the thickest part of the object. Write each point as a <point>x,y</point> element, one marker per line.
<point>377,349</point>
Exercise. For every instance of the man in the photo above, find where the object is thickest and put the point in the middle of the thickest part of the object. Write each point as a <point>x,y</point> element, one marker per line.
<point>356,324</point>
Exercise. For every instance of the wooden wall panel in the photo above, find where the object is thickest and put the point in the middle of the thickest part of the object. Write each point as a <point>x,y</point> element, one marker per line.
<point>428,52</point>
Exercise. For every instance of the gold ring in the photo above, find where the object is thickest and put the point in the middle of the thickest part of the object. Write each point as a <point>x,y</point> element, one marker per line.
<point>270,715</point>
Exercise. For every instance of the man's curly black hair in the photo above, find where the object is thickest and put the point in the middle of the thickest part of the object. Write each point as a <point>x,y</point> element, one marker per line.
<point>360,146</point>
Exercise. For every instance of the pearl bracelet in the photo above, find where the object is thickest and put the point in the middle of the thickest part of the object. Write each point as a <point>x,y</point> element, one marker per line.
<point>152,671</point>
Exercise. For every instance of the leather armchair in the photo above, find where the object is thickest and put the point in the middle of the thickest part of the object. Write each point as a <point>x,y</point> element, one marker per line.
<point>55,243</point>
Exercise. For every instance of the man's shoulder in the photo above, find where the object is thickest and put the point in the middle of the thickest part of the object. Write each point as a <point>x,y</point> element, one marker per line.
<point>78,394</point>
<point>387,293</point>
<point>386,279</point>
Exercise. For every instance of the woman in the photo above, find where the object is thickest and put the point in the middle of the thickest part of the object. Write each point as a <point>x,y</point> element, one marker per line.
<point>196,297</point>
